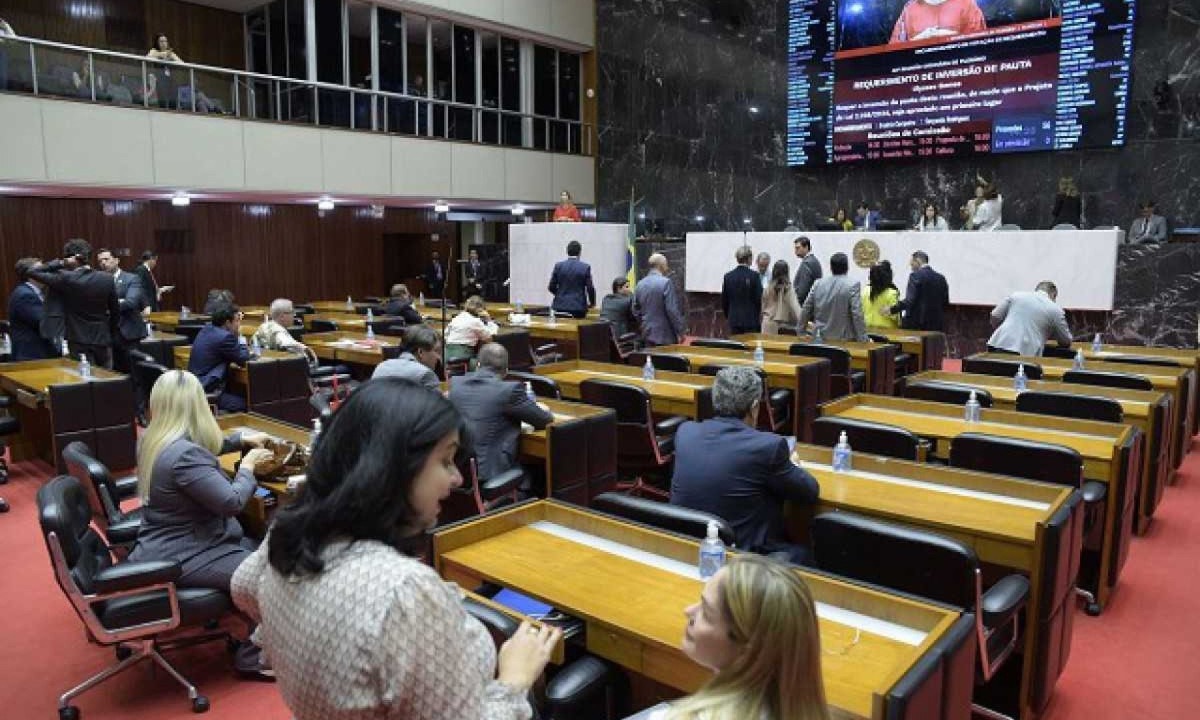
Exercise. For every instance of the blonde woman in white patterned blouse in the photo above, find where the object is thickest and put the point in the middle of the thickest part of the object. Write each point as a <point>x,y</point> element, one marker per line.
<point>354,628</point>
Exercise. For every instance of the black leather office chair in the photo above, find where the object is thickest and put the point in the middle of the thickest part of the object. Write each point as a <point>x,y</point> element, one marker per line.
<point>704,404</point>
<point>1001,368</point>
<point>319,325</point>
<point>104,496</point>
<point>620,346</point>
<point>1140,360</point>
<point>869,437</point>
<point>542,386</point>
<point>1058,351</point>
<point>719,343</point>
<point>9,425</point>
<point>522,355</point>
<point>1108,379</point>
<point>490,493</point>
<point>775,409</point>
<point>302,309</point>
<point>1083,407</point>
<point>664,362</point>
<point>663,516</point>
<point>1044,462</point>
<point>147,373</point>
<point>946,392</point>
<point>843,380</point>
<point>645,449</point>
<point>120,604</point>
<point>905,363</point>
<point>929,565</point>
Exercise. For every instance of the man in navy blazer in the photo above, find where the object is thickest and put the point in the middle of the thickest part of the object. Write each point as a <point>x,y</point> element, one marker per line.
<point>926,298</point>
<point>25,316</point>
<point>217,346</point>
<point>744,476</point>
<point>741,295</point>
<point>571,284</point>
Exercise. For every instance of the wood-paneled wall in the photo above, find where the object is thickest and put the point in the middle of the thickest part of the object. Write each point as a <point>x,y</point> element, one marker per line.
<point>199,34</point>
<point>261,252</point>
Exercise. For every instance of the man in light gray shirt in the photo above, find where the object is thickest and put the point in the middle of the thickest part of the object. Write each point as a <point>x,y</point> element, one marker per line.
<point>1150,227</point>
<point>809,270</point>
<point>835,304</point>
<point>1024,321</point>
<point>422,351</point>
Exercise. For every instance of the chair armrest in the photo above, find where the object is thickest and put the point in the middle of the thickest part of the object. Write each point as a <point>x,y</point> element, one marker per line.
<point>543,349</point>
<point>321,372</point>
<point>1004,599</point>
<point>780,396</point>
<point>548,358</point>
<point>124,532</point>
<point>498,485</point>
<point>578,686</point>
<point>499,624</point>
<point>126,487</point>
<point>130,576</point>
<point>1094,492</point>
<point>5,400</point>
<point>669,425</point>
<point>327,380</point>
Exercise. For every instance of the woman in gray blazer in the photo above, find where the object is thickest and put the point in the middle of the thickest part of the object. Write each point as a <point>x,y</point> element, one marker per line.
<point>189,505</point>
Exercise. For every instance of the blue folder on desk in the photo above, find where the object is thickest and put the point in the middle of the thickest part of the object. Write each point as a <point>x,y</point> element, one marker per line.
<point>522,603</point>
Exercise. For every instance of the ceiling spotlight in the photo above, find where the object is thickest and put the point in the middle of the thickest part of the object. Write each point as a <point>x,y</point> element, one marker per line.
<point>441,208</point>
<point>324,204</point>
<point>518,210</point>
<point>181,200</point>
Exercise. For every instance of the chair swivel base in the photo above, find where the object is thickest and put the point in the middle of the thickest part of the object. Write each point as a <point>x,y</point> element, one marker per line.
<point>981,711</point>
<point>1091,606</point>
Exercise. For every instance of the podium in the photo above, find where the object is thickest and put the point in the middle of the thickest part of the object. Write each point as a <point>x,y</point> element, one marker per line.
<point>534,248</point>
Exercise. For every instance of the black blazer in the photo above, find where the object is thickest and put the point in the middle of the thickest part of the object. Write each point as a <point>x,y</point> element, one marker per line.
<point>149,286</point>
<point>212,352</point>
<point>89,300</point>
<point>24,324</point>
<point>741,299</point>
<point>433,279</point>
<point>404,310</point>
<point>130,299</point>
<point>924,301</point>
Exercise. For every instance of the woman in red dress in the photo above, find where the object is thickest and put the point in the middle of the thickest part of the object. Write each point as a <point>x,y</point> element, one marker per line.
<point>566,210</point>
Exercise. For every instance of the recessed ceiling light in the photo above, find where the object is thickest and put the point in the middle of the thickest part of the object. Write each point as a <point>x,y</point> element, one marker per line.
<point>324,204</point>
<point>441,208</point>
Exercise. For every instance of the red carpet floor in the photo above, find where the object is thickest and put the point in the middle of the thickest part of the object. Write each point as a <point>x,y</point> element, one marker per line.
<point>1138,661</point>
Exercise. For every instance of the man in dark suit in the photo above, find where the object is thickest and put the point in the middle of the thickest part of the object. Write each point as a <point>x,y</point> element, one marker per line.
<point>89,301</point>
<point>473,285</point>
<point>131,300</point>
<point>25,316</point>
<point>926,297</point>
<point>150,287</point>
<point>744,476</point>
<point>400,305</point>
<point>617,308</point>
<point>741,295</point>
<point>435,275</point>
<point>493,409</point>
<point>809,271</point>
<point>217,346</point>
<point>571,284</point>
<point>656,306</point>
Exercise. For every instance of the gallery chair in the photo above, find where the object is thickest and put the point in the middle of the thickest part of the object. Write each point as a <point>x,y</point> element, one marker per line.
<point>1071,405</point>
<point>542,386</point>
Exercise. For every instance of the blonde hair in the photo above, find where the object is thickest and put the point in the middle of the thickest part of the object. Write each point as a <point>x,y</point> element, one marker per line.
<point>777,674</point>
<point>474,305</point>
<point>178,409</point>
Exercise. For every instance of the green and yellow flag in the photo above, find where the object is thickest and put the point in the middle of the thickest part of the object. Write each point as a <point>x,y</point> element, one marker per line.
<point>630,254</point>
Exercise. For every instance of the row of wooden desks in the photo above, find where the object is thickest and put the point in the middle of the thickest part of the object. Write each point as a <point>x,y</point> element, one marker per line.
<point>353,347</point>
<point>671,393</point>
<point>874,359</point>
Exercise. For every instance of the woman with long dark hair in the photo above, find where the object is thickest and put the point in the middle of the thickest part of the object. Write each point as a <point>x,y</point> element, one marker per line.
<point>879,295</point>
<point>354,626</point>
<point>779,303</point>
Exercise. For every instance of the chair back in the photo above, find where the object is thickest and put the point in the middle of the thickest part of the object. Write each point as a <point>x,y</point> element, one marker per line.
<point>663,516</point>
<point>1108,379</point>
<point>77,552</point>
<point>542,386</point>
<point>1084,407</point>
<point>636,442</point>
<point>189,331</point>
<point>839,358</point>
<point>1001,368</point>
<point>1058,351</point>
<point>319,325</point>
<point>593,341</point>
<point>1027,459</point>
<point>946,392</point>
<point>867,437</point>
<point>666,362</point>
<point>516,342</point>
<point>897,557</point>
<point>719,343</point>
<point>94,480</point>
<point>704,404</point>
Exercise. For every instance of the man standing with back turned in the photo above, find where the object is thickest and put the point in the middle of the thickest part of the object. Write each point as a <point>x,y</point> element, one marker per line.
<point>835,304</point>
<point>741,295</point>
<point>571,284</point>
<point>926,297</point>
<point>656,307</point>
<point>1024,321</point>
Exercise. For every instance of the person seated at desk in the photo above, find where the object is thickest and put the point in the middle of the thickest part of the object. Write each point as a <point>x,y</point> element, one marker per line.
<point>880,296</point>
<point>755,627</point>
<point>216,346</point>
<point>419,361</point>
<point>842,220</point>
<point>469,329</point>
<point>1025,321</point>
<point>400,305</point>
<point>571,284</point>
<point>566,211</point>
<point>865,218</point>
<point>273,333</point>
<point>25,308</point>
<point>216,297</point>
<point>726,467</point>
<point>355,624</point>
<point>189,506</point>
<point>835,304</point>
<point>617,308</point>
<point>932,220</point>
<point>1149,227</point>
<point>988,210</point>
<point>493,409</point>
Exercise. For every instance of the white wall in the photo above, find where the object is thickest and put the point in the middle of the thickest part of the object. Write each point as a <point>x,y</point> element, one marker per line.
<point>66,142</point>
<point>571,20</point>
<point>534,248</point>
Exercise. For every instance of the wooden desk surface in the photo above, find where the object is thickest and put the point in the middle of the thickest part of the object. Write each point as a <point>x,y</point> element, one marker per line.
<point>671,393</point>
<point>263,424</point>
<point>1134,403</point>
<point>164,337</point>
<point>783,343</point>
<point>36,376</point>
<point>345,321</point>
<point>351,347</point>
<point>779,368</point>
<point>1184,357</point>
<point>335,306</point>
<point>1163,378</point>
<point>589,566</point>
<point>168,319</point>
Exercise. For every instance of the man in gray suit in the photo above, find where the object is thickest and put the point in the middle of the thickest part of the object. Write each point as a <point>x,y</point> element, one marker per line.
<point>656,307</point>
<point>422,351</point>
<point>808,270</point>
<point>1150,227</point>
<point>1026,320</point>
<point>835,304</point>
<point>493,409</point>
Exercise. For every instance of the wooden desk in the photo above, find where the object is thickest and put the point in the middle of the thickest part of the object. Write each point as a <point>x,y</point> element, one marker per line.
<point>1182,357</point>
<point>1147,410</point>
<point>344,321</point>
<point>337,306</point>
<point>1179,382</point>
<point>670,393</point>
<point>1005,520</point>
<point>875,359</point>
<point>578,451</point>
<point>1111,453</point>
<point>927,346</point>
<point>255,516</point>
<point>29,382</point>
<point>168,320</point>
<point>334,346</point>
<point>587,565</point>
<point>806,377</point>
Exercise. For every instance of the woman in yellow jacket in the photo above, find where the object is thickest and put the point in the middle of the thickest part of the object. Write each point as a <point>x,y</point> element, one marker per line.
<point>878,297</point>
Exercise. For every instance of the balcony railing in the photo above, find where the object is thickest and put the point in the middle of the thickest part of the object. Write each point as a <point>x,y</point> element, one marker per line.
<point>50,69</point>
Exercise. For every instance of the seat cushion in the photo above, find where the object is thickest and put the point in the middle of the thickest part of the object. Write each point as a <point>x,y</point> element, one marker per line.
<point>666,445</point>
<point>196,606</point>
<point>505,482</point>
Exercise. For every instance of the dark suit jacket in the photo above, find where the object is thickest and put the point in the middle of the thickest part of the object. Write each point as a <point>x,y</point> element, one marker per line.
<point>742,475</point>
<point>130,299</point>
<point>475,277</point>
<point>149,285</point>
<point>492,411</point>
<point>925,300</point>
<point>24,324</point>
<point>212,352</point>
<point>807,275</point>
<point>89,299</point>
<point>403,310</point>
<point>571,285</point>
<point>432,279</point>
<point>741,299</point>
<point>618,310</point>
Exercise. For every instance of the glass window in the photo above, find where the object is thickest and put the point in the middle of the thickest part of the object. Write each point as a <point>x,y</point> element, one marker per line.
<point>489,50</point>
<point>442,82</point>
<point>510,91</point>
<point>359,15</point>
<point>461,119</point>
<point>545,93</point>
<point>391,51</point>
<point>335,108</point>
<point>566,136</point>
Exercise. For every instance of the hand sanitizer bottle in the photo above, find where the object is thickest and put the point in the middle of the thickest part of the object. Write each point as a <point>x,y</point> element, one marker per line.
<point>553,318</point>
<point>350,303</point>
<point>759,355</point>
<point>421,300</point>
<point>5,344</point>
<point>1097,344</point>
<point>85,367</point>
<point>1019,380</point>
<point>1078,363</point>
<point>520,308</point>
<point>648,370</point>
<point>255,348</point>
<point>972,409</point>
<point>149,329</point>
<point>712,553</point>
<point>370,324</point>
<point>818,333</point>
<point>841,454</point>
<point>66,350</point>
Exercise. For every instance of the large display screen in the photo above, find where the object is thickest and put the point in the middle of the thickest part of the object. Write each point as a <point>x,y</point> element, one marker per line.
<point>897,79</point>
